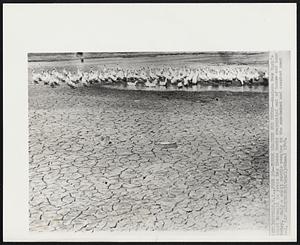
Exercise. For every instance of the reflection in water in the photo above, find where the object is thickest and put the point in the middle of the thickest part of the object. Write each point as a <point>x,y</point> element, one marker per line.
<point>195,88</point>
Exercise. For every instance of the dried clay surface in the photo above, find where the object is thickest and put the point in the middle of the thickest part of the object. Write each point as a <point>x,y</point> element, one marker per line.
<point>103,159</point>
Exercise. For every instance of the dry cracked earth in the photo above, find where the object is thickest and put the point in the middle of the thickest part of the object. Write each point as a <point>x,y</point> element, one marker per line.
<point>96,162</point>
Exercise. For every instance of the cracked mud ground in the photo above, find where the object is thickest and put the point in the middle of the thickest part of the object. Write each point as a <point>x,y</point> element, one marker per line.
<point>216,178</point>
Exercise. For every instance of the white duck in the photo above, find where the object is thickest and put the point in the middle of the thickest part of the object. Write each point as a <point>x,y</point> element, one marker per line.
<point>70,83</point>
<point>36,77</point>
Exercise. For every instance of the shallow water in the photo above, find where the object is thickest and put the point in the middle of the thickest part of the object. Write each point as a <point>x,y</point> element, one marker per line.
<point>195,88</point>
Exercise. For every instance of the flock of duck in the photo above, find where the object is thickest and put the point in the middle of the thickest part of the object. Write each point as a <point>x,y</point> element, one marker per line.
<point>238,75</point>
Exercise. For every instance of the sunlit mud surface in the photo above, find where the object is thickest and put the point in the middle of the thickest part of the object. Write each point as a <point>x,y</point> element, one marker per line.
<point>105,159</point>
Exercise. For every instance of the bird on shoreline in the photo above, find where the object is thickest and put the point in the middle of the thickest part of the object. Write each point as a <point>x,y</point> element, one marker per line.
<point>36,77</point>
<point>70,83</point>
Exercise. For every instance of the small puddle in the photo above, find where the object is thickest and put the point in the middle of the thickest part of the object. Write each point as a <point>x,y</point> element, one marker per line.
<point>167,144</point>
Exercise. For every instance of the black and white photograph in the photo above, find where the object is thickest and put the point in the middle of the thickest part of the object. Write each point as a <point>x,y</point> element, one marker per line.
<point>149,122</point>
<point>148,141</point>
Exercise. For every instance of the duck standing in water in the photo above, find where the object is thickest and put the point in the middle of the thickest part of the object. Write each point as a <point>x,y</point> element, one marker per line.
<point>84,80</point>
<point>194,78</point>
<point>46,77</point>
<point>151,82</point>
<point>36,77</point>
<point>70,83</point>
<point>174,78</point>
<point>132,79</point>
<point>180,85</point>
<point>186,80</point>
<point>241,78</point>
<point>164,83</point>
<point>180,80</point>
<point>53,81</point>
